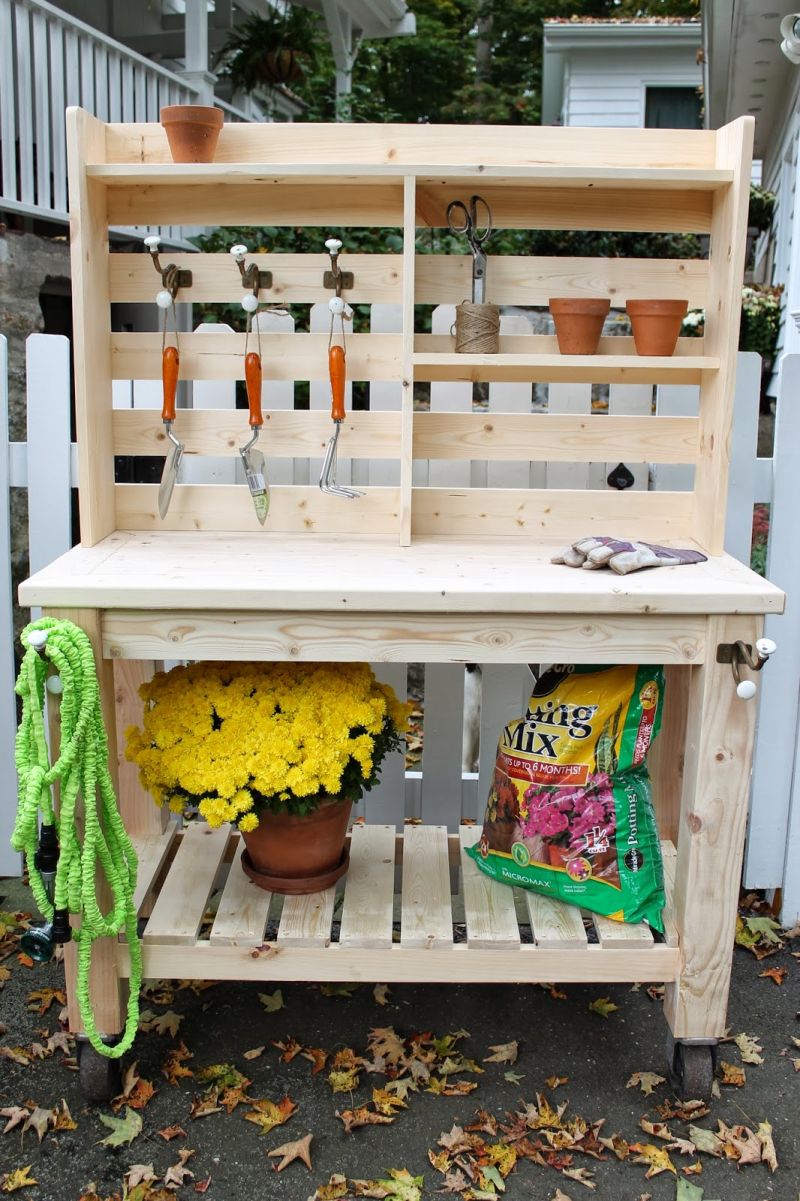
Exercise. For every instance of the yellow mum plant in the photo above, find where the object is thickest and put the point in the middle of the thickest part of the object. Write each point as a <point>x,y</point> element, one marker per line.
<point>239,739</point>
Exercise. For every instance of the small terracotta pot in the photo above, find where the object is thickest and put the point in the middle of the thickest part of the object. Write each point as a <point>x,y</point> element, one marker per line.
<point>298,855</point>
<point>192,131</point>
<point>579,323</point>
<point>656,324</point>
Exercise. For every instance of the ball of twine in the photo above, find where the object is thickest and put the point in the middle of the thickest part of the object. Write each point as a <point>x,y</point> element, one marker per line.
<point>477,328</point>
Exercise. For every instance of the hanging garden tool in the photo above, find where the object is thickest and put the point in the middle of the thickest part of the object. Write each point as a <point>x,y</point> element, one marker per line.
<point>337,371</point>
<point>253,460</point>
<point>477,323</point>
<point>63,862</point>
<point>172,279</point>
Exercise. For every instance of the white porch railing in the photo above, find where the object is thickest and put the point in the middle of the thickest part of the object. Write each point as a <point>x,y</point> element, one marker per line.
<point>48,61</point>
<point>442,791</point>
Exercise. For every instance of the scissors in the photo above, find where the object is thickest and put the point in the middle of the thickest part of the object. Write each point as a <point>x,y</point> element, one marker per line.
<point>463,220</point>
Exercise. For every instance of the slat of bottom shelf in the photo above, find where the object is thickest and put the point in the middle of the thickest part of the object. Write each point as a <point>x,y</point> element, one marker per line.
<point>554,924</point>
<point>369,888</point>
<point>457,965</point>
<point>180,906</point>
<point>306,920</point>
<point>427,909</point>
<point>243,910</point>
<point>488,905</point>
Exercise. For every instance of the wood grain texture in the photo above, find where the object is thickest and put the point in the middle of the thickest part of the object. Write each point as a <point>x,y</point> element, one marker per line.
<point>665,759</point>
<point>399,637</point>
<point>243,910</point>
<point>554,368</point>
<point>180,906</point>
<point>306,920</point>
<point>622,934</point>
<point>716,782</point>
<point>670,860</point>
<point>488,905</point>
<point>369,889</point>
<point>152,850</point>
<point>141,815</point>
<point>407,377</point>
<point>427,912</point>
<point>554,924</point>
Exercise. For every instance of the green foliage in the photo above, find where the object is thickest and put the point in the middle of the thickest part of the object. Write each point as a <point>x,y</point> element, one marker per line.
<point>242,58</point>
<point>760,208</point>
<point>761,319</point>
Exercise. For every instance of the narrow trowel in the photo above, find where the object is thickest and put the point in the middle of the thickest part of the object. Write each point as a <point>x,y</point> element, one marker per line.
<point>253,459</point>
<point>170,365</point>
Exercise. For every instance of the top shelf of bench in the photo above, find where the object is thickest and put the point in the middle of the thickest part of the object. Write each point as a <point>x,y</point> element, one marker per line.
<point>273,572</point>
<point>466,175</point>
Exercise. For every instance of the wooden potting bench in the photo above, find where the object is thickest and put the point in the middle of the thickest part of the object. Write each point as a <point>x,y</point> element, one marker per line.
<point>412,573</point>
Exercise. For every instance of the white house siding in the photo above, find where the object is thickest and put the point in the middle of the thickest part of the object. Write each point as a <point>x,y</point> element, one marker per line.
<point>608,88</point>
<point>779,173</point>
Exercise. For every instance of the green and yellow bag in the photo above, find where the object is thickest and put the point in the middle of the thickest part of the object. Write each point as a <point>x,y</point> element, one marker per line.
<point>569,812</point>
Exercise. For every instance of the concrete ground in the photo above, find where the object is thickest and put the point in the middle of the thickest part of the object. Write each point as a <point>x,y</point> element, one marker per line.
<point>557,1035</point>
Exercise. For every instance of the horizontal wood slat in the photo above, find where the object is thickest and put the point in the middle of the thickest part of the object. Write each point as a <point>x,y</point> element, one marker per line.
<point>306,920</point>
<point>554,924</point>
<point>284,356</point>
<point>288,434</point>
<point>369,890</point>
<point>180,905</point>
<point>229,507</point>
<point>622,934</point>
<point>151,852</point>
<point>566,514</point>
<point>544,437</point>
<point>427,912</point>
<point>243,910</point>
<point>362,637</point>
<point>489,908</point>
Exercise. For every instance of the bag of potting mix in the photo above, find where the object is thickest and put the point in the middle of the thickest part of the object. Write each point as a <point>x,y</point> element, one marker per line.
<point>569,812</point>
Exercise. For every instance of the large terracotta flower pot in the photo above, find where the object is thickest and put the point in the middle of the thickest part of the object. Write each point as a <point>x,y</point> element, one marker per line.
<point>656,324</point>
<point>298,855</point>
<point>192,131</point>
<point>579,323</point>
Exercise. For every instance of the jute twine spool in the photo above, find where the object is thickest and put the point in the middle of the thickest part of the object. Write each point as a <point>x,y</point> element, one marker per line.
<point>477,328</point>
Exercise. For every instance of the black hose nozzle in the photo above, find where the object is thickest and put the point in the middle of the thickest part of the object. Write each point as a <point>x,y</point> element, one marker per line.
<point>62,931</point>
<point>46,857</point>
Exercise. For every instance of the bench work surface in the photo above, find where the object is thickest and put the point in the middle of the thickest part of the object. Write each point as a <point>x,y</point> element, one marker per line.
<point>263,571</point>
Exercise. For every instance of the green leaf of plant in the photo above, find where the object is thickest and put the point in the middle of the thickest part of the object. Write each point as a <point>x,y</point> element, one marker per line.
<point>272,1001</point>
<point>123,1130</point>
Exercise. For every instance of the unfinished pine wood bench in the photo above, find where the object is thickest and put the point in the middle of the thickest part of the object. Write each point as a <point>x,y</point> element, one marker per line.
<point>420,573</point>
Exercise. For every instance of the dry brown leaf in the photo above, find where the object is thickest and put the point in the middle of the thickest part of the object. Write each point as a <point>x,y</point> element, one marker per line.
<point>381,994</point>
<point>289,1049</point>
<point>174,1066</point>
<point>202,1185</point>
<point>40,1000</point>
<point>768,1155</point>
<point>556,1081</point>
<point>646,1081</point>
<point>731,1073</point>
<point>693,1169</point>
<point>581,1175</point>
<point>333,1190</point>
<point>234,1096</point>
<point>503,1053</point>
<point>657,1129</point>
<point>776,974</point>
<point>687,1111</point>
<point>136,1092</point>
<point>16,1055</point>
<point>454,1182</point>
<point>386,1102</point>
<point>403,1086</point>
<point>317,1057</point>
<point>178,1174</point>
<point>749,1048</point>
<point>39,1120</point>
<point>207,1104</point>
<point>256,1052</point>
<point>139,1173</point>
<point>171,1132</point>
<point>15,1115</point>
<point>269,1114</point>
<point>450,1088</point>
<point>384,1042</point>
<point>618,1145</point>
<point>301,1149</point>
<point>24,961</point>
<point>362,1115</point>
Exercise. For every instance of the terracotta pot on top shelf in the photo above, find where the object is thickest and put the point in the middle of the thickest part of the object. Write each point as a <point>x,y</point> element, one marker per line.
<point>656,325</point>
<point>579,323</point>
<point>295,855</point>
<point>192,131</point>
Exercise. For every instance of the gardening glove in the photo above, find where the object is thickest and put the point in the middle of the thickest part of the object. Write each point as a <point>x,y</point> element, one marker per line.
<point>623,557</point>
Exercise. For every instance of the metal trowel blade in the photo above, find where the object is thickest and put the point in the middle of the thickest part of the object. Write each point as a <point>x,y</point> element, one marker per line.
<point>168,477</point>
<point>255,474</point>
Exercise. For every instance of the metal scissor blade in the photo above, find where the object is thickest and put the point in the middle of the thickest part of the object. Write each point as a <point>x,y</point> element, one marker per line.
<point>168,478</point>
<point>255,474</point>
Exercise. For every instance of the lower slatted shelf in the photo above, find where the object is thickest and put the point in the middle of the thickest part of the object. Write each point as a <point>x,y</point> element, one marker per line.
<point>412,907</point>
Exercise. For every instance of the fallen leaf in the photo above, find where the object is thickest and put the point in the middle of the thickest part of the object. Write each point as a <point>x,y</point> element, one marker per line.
<point>685,1110</point>
<point>385,1042</point>
<point>337,990</point>
<point>16,1055</point>
<point>256,1053</point>
<point>404,1085</point>
<point>581,1175</point>
<point>687,1191</point>
<point>178,1174</point>
<point>603,1005</point>
<point>136,1092</point>
<point>657,1129</point>
<point>174,1066</point>
<point>731,1073</point>
<point>503,1053</point>
<point>39,1120</point>
<point>764,1136</point>
<point>386,1102</point>
<point>160,1023</point>
<point>272,1002</point>
<point>171,1132</point>
<point>223,1075</point>
<point>202,1185</point>
<point>269,1114</point>
<point>40,1000</point>
<point>646,1081</point>
<point>693,1169</point>
<point>776,974</point>
<point>231,1098</point>
<point>18,1179</point>
<point>139,1173</point>
<point>749,1048</point>
<point>62,1040</point>
<point>362,1116</point>
<point>656,1158</point>
<point>289,1050</point>
<point>450,1088</point>
<point>706,1140</point>
<point>301,1149</point>
<point>559,1196</point>
<point>317,1057</point>
<point>333,1190</point>
<point>514,1077</point>
<point>123,1130</point>
<point>400,1186</point>
<point>618,1145</point>
<point>201,1107</point>
<point>555,1081</point>
<point>24,961</point>
<point>381,994</point>
<point>456,1182</point>
<point>15,1115</point>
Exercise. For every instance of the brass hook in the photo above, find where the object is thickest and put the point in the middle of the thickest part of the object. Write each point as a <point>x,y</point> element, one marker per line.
<point>172,276</point>
<point>252,278</point>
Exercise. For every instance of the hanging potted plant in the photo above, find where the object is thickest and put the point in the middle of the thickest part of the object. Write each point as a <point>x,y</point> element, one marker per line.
<point>282,751</point>
<point>269,48</point>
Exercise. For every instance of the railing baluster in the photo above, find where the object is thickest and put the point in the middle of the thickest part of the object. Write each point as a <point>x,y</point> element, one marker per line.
<point>43,113</point>
<point>24,106</point>
<point>101,82</point>
<point>87,73</point>
<point>114,88</point>
<point>58,103</point>
<point>72,67</point>
<point>8,103</point>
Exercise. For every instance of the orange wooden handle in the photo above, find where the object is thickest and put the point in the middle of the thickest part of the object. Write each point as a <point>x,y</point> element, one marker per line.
<point>170,365</point>
<point>252,379</point>
<point>336,369</point>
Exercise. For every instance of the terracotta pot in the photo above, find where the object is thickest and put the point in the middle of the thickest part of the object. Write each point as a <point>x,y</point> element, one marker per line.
<point>579,323</point>
<point>192,131</point>
<point>656,324</point>
<point>298,855</point>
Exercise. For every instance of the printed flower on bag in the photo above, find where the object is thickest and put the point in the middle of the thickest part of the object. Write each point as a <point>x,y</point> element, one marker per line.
<point>579,818</point>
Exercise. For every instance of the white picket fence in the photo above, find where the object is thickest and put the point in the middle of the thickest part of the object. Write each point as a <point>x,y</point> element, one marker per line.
<point>46,466</point>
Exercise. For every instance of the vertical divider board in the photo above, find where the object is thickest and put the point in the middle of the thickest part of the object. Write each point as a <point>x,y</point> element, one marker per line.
<point>407,424</point>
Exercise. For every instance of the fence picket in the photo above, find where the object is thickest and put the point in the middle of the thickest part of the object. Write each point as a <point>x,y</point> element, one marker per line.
<point>443,725</point>
<point>508,398</point>
<point>213,394</point>
<point>278,394</point>
<point>449,397</point>
<point>49,524</point>
<point>632,400</point>
<point>386,802</point>
<point>504,696</point>
<point>568,398</point>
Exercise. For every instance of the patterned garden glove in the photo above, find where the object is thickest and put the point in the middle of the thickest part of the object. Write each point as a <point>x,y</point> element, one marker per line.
<point>622,557</point>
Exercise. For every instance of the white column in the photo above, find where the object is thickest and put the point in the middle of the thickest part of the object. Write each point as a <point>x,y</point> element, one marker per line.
<point>196,72</point>
<point>340,31</point>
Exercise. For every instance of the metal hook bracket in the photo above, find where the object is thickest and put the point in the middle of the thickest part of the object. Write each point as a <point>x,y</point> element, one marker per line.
<point>740,654</point>
<point>172,276</point>
<point>252,278</point>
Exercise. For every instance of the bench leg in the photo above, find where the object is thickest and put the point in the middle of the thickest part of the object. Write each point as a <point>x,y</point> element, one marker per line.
<point>713,815</point>
<point>108,991</point>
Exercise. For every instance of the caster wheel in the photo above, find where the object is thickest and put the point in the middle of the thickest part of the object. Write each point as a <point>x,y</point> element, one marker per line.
<point>691,1069</point>
<point>100,1078</point>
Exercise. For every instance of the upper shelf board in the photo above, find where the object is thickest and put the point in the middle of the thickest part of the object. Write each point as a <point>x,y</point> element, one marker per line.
<point>466,175</point>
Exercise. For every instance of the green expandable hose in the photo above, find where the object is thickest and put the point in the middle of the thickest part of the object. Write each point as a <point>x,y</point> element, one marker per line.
<point>81,770</point>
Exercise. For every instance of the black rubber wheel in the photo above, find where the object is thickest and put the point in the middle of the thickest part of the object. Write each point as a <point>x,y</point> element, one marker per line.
<point>691,1069</point>
<point>100,1078</point>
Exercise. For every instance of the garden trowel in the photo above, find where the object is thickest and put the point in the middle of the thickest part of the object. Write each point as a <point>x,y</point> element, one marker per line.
<point>254,462</point>
<point>170,365</point>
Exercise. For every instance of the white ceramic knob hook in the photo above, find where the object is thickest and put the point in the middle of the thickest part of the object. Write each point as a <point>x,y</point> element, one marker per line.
<point>746,690</point>
<point>333,246</point>
<point>54,685</point>
<point>249,302</point>
<point>163,299</point>
<point>336,306</point>
<point>239,251</point>
<point>152,242</point>
<point>37,639</point>
<point>766,647</point>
